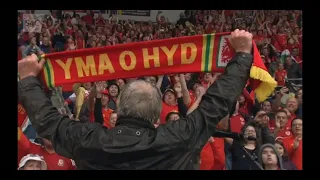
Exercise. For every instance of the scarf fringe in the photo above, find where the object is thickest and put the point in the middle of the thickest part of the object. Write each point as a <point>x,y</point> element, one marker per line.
<point>267,85</point>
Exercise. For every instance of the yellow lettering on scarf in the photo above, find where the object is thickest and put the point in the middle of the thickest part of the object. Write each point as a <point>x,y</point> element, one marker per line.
<point>133,60</point>
<point>169,53</point>
<point>86,68</point>
<point>147,57</point>
<point>105,64</point>
<point>65,67</point>
<point>193,55</point>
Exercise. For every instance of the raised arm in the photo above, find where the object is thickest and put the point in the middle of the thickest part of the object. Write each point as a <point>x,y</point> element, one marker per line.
<point>65,133</point>
<point>197,127</point>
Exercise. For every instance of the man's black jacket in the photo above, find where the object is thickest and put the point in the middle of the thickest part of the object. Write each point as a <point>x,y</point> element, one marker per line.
<point>133,143</point>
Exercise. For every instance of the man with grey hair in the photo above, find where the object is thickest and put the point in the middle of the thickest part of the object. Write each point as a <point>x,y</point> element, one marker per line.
<point>134,143</point>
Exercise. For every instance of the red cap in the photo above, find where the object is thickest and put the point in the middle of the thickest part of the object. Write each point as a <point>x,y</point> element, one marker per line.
<point>106,92</point>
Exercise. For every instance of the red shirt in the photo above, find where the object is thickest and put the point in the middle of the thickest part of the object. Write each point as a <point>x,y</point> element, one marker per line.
<point>258,39</point>
<point>212,156</point>
<point>106,117</point>
<point>106,113</point>
<point>284,132</point>
<point>280,77</point>
<point>236,123</point>
<point>88,19</point>
<point>295,155</point>
<point>54,161</point>
<point>244,109</point>
<point>22,116</point>
<point>69,31</point>
<point>80,43</point>
<point>166,109</point>
<point>100,21</point>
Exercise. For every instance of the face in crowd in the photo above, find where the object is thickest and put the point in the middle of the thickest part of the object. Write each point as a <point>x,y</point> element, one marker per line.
<point>296,127</point>
<point>269,157</point>
<point>266,106</point>
<point>282,117</point>
<point>32,165</point>
<point>249,131</point>
<point>113,90</point>
<point>113,119</point>
<point>292,105</point>
<point>87,85</point>
<point>169,97</point>
<point>120,83</point>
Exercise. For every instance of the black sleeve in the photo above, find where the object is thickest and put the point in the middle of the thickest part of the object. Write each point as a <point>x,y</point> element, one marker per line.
<point>98,117</point>
<point>299,71</point>
<point>65,134</point>
<point>195,130</point>
<point>182,107</point>
<point>266,138</point>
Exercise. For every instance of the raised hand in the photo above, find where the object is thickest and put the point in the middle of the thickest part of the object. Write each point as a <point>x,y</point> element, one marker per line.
<point>241,41</point>
<point>296,143</point>
<point>29,66</point>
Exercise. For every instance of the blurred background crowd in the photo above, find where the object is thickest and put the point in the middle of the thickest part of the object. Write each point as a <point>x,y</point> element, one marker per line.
<point>278,120</point>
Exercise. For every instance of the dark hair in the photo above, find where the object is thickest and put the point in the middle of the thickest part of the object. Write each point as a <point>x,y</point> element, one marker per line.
<point>294,120</point>
<point>257,127</point>
<point>267,101</point>
<point>170,113</point>
<point>280,111</point>
<point>285,156</point>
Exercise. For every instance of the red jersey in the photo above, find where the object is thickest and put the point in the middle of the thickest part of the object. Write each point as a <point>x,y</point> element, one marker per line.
<point>80,43</point>
<point>106,113</point>
<point>100,21</point>
<point>284,132</point>
<point>54,161</point>
<point>244,109</point>
<point>88,19</point>
<point>280,77</point>
<point>69,31</point>
<point>212,156</point>
<point>295,155</point>
<point>166,109</point>
<point>22,116</point>
<point>236,123</point>
<point>192,98</point>
<point>258,39</point>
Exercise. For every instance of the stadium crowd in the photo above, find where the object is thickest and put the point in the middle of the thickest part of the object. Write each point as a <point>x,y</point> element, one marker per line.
<point>265,135</point>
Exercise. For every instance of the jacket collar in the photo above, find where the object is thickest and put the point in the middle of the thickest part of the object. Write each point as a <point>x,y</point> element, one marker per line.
<point>134,121</point>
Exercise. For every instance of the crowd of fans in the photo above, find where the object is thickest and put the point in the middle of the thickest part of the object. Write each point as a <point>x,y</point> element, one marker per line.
<point>274,126</point>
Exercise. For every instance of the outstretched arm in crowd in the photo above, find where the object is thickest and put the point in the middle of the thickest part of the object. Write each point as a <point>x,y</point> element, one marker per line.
<point>200,125</point>
<point>185,93</point>
<point>65,134</point>
<point>98,116</point>
<point>181,106</point>
<point>277,102</point>
<point>25,146</point>
<point>159,82</point>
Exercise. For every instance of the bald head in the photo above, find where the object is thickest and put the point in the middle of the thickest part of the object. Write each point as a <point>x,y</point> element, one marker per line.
<point>292,104</point>
<point>139,99</point>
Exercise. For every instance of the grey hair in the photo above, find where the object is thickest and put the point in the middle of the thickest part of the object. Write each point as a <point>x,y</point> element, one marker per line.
<point>139,99</point>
